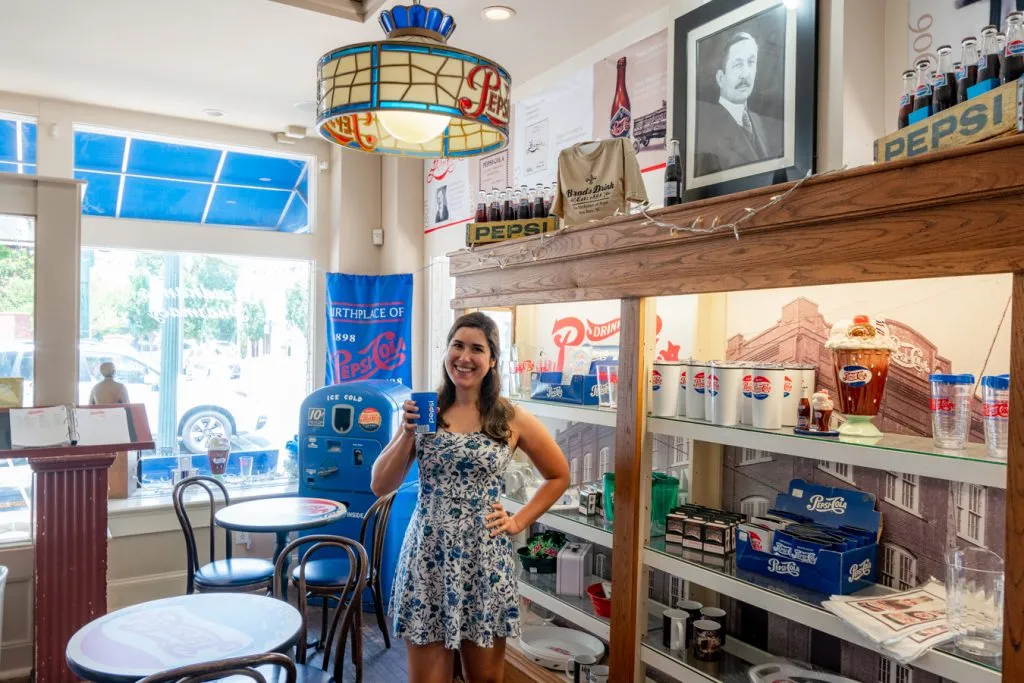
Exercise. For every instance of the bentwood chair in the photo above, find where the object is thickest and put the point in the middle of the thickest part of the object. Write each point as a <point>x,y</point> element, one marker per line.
<point>348,620</point>
<point>325,579</point>
<point>237,575</point>
<point>271,667</point>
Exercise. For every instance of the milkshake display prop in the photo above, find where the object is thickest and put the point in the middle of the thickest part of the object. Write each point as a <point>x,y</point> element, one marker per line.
<point>860,358</point>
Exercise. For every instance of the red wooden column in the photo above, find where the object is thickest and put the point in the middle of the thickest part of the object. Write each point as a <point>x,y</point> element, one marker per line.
<point>70,500</point>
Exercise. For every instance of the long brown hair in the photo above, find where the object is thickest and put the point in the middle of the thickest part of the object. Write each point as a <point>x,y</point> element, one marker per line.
<point>495,411</point>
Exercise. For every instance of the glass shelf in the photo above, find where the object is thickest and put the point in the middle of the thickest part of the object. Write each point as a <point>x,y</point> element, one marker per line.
<point>593,528</point>
<point>540,588</point>
<point>801,605</point>
<point>568,411</point>
<point>891,452</point>
<point>729,669</point>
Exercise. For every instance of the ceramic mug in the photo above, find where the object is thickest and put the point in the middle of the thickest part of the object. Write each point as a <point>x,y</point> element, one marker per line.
<point>579,667</point>
<point>598,674</point>
<point>673,634</point>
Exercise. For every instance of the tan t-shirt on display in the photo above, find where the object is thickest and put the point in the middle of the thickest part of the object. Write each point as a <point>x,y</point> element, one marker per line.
<point>595,183</point>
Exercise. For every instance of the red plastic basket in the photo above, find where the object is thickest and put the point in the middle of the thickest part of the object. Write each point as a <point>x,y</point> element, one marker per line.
<point>602,605</point>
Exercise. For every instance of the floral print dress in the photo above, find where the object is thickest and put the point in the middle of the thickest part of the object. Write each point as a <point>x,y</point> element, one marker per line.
<point>454,582</point>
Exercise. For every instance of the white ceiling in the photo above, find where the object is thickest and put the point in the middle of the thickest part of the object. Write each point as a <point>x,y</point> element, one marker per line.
<point>253,59</point>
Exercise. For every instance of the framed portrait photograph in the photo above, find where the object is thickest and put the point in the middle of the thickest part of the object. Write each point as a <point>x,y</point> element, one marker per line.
<point>745,93</point>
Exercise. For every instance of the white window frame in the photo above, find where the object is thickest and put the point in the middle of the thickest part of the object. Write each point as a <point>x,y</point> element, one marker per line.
<point>747,506</point>
<point>680,456</point>
<point>650,583</point>
<point>752,456</point>
<point>588,467</point>
<point>892,672</point>
<point>19,120</point>
<point>677,591</point>
<point>970,512</point>
<point>574,471</point>
<point>605,458</point>
<point>898,567</point>
<point>839,470</point>
<point>901,487</point>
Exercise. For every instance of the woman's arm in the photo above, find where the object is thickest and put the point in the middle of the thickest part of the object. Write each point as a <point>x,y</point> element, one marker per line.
<point>547,457</point>
<point>390,468</point>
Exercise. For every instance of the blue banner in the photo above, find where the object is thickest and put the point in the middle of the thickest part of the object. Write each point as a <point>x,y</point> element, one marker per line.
<point>369,328</point>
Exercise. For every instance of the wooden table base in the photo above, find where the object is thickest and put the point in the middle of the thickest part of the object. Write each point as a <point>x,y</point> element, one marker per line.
<point>70,501</point>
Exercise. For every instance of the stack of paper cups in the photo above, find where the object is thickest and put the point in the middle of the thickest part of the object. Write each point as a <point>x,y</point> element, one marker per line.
<point>684,373</point>
<point>665,389</point>
<point>695,391</point>
<point>767,395</point>
<point>724,384</point>
<point>747,396</point>
<point>791,382</point>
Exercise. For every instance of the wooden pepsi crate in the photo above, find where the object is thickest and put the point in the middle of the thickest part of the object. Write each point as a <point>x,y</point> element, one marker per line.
<point>991,114</point>
<point>501,231</point>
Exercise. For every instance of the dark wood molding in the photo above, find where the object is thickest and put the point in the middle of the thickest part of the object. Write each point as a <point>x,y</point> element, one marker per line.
<point>1013,620</point>
<point>519,669</point>
<point>954,212</point>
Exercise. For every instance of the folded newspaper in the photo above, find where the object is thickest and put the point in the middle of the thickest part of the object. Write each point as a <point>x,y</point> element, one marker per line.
<point>905,625</point>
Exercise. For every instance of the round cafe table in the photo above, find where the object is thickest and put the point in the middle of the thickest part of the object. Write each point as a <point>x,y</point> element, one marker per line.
<point>280,516</point>
<point>151,637</point>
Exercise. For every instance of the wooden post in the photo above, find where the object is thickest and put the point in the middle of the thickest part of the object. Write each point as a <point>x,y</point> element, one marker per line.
<point>632,512</point>
<point>1013,622</point>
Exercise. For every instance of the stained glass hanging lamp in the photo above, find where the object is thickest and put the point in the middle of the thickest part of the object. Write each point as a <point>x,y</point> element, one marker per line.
<point>412,94</point>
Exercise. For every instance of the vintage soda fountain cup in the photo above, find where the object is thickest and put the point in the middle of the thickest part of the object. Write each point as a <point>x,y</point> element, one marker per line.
<point>426,403</point>
<point>791,382</point>
<point>860,359</point>
<point>684,373</point>
<point>747,395</point>
<point>724,385</point>
<point>695,391</point>
<point>951,412</point>
<point>766,393</point>
<point>665,388</point>
<point>218,449</point>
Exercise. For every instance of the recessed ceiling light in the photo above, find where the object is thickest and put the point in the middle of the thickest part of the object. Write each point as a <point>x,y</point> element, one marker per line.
<point>264,180</point>
<point>498,12</point>
<point>215,113</point>
<point>305,106</point>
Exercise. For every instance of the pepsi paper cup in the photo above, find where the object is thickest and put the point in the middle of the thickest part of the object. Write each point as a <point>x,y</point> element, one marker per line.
<point>426,403</point>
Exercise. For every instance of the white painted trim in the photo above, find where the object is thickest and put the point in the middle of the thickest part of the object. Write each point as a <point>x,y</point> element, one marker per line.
<point>136,589</point>
<point>16,658</point>
<point>975,468</point>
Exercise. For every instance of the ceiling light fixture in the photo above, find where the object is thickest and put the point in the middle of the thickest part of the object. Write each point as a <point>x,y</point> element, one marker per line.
<point>412,94</point>
<point>215,113</point>
<point>498,13</point>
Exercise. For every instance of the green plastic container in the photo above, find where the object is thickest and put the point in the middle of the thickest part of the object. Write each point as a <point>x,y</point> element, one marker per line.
<point>664,492</point>
<point>609,496</point>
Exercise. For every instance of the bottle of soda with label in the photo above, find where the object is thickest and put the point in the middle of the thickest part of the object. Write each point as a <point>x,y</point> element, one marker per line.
<point>481,207</point>
<point>673,177</point>
<point>923,88</point>
<point>622,117</point>
<point>1013,53</point>
<point>494,206</point>
<point>523,208</point>
<point>538,202</point>
<point>549,197</point>
<point>507,212</point>
<point>988,63</point>
<point>1001,48</point>
<point>944,86</point>
<point>907,100</point>
<point>968,74</point>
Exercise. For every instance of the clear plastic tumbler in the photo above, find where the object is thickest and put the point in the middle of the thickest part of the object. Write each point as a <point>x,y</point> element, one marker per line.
<point>974,595</point>
<point>608,385</point>
<point>951,411</point>
<point>995,395</point>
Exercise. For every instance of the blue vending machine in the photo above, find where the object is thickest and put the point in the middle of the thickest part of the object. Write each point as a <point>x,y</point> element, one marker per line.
<point>342,430</point>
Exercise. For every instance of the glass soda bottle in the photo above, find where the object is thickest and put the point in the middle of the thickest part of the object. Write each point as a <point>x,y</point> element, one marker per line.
<point>988,63</point>
<point>968,74</point>
<point>523,205</point>
<point>507,212</point>
<point>673,177</point>
<point>549,197</point>
<point>481,207</point>
<point>944,85</point>
<point>923,88</point>
<point>494,206</point>
<point>907,100</point>
<point>538,210</point>
<point>1013,53</point>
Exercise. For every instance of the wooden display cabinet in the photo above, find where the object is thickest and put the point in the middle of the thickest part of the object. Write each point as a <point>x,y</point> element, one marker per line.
<point>957,212</point>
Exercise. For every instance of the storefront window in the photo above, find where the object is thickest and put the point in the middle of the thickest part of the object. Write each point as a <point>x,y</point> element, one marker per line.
<point>210,345</point>
<point>17,308</point>
<point>17,145</point>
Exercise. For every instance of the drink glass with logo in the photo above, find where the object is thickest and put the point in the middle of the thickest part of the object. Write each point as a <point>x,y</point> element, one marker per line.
<point>426,404</point>
<point>791,381</point>
<point>218,448</point>
<point>608,385</point>
<point>951,413</point>
<point>695,391</point>
<point>665,388</point>
<point>766,392</point>
<point>995,396</point>
<point>747,395</point>
<point>724,385</point>
<point>860,359</point>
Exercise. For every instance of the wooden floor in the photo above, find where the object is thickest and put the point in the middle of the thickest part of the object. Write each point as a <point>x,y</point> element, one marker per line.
<point>380,665</point>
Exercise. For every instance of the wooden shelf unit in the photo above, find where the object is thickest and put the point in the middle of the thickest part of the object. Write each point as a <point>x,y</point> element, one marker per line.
<point>958,212</point>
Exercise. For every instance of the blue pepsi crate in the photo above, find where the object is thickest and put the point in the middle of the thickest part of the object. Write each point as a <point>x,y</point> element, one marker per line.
<point>581,391</point>
<point>808,564</point>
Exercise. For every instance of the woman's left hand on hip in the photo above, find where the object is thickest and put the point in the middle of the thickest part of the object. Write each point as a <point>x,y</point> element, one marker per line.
<point>501,522</point>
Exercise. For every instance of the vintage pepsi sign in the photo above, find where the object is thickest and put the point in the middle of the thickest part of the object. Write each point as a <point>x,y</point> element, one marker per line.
<point>698,382</point>
<point>983,116</point>
<point>762,387</point>
<point>369,328</point>
<point>855,375</point>
<point>500,231</point>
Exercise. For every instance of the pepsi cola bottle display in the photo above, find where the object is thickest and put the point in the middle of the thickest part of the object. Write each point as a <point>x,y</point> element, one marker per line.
<point>511,204</point>
<point>944,85</point>
<point>968,74</point>
<point>1013,52</point>
<point>907,99</point>
<point>923,88</point>
<point>988,63</point>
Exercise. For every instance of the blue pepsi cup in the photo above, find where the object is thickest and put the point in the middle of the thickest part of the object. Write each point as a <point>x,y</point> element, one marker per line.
<point>426,403</point>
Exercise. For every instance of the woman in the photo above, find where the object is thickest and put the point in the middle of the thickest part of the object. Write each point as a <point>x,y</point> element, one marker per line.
<point>455,586</point>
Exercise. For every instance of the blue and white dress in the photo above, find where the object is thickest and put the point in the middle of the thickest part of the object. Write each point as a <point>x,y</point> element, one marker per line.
<point>454,582</point>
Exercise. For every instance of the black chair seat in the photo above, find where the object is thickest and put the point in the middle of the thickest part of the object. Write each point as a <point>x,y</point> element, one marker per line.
<point>324,573</point>
<point>243,571</point>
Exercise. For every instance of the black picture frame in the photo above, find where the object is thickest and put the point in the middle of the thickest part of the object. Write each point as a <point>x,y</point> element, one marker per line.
<point>708,174</point>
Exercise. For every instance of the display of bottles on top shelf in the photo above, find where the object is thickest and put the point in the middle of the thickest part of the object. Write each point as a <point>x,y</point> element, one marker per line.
<point>512,205</point>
